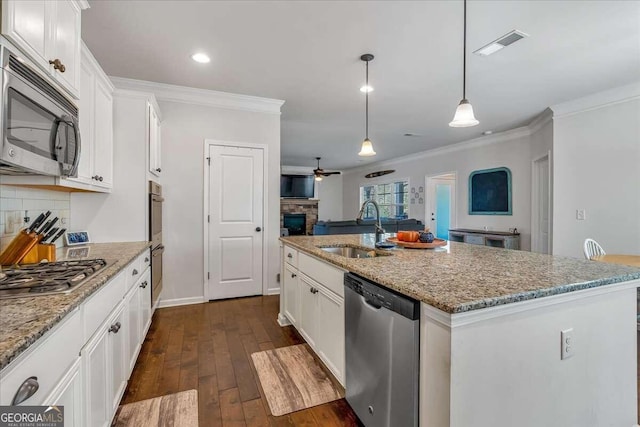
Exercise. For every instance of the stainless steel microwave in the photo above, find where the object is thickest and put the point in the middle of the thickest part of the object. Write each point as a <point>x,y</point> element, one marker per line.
<point>39,125</point>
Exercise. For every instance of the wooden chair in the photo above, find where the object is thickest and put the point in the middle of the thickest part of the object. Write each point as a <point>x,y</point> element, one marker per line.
<point>592,248</point>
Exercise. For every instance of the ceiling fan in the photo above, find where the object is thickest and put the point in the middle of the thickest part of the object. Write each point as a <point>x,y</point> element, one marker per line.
<point>319,172</point>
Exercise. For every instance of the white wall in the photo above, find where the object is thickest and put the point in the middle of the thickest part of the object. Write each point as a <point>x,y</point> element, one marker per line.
<point>184,129</point>
<point>511,149</point>
<point>597,168</point>
<point>330,195</point>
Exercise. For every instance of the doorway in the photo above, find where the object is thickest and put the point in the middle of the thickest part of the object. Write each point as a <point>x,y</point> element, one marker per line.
<point>234,220</point>
<point>440,205</point>
<point>541,205</point>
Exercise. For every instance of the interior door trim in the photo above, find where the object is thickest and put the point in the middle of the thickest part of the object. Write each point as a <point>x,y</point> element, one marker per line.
<point>208,143</point>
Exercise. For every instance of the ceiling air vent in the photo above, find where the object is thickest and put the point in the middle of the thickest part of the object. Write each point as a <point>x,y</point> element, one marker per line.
<point>501,43</point>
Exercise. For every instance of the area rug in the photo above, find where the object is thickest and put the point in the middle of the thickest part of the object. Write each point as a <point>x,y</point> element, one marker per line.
<point>292,379</point>
<point>176,410</point>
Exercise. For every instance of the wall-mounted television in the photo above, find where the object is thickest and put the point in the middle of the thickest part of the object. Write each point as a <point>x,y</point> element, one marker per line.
<point>296,186</point>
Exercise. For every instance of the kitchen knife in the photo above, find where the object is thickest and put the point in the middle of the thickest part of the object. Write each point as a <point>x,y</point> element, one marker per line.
<point>48,226</point>
<point>58,236</point>
<point>36,223</point>
<point>48,236</point>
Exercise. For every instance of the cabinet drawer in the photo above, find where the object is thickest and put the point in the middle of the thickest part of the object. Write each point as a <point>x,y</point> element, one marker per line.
<point>133,272</point>
<point>145,260</point>
<point>474,240</point>
<point>291,256</point>
<point>98,307</point>
<point>50,358</point>
<point>323,273</point>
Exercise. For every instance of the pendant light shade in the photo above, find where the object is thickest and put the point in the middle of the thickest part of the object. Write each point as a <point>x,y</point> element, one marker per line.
<point>464,113</point>
<point>367,147</point>
<point>464,116</point>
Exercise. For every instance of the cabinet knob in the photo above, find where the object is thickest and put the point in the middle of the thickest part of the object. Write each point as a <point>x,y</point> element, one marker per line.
<point>115,327</point>
<point>100,178</point>
<point>95,177</point>
<point>146,259</point>
<point>134,272</point>
<point>27,389</point>
<point>290,255</point>
<point>158,170</point>
<point>144,284</point>
<point>293,275</point>
<point>58,65</point>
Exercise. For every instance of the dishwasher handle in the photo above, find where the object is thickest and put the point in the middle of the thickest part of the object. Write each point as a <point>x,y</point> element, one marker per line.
<point>372,303</point>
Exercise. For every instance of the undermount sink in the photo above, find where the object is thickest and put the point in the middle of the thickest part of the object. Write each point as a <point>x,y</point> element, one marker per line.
<point>351,252</point>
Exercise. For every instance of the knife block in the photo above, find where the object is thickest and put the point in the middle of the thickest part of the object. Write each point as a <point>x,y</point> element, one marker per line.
<point>40,252</point>
<point>19,247</point>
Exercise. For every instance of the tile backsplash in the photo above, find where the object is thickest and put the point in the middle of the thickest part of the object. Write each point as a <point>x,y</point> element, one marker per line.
<point>14,201</point>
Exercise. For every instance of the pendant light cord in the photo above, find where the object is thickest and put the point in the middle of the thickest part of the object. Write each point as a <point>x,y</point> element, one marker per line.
<point>366,108</point>
<point>464,55</point>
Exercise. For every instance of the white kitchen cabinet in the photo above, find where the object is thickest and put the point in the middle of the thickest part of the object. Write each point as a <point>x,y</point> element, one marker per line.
<point>118,328</point>
<point>49,33</point>
<point>154,140</point>
<point>291,294</point>
<point>132,301</point>
<point>330,336</point>
<point>308,311</point>
<point>70,394</point>
<point>96,372</point>
<point>96,126</point>
<point>145,303</point>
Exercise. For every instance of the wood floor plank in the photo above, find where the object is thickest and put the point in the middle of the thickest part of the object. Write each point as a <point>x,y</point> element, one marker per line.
<point>245,378</point>
<point>169,381</point>
<point>208,402</point>
<point>206,359</point>
<point>231,408</point>
<point>254,413</point>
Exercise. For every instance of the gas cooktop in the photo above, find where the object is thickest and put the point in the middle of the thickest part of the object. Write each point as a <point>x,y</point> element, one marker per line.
<point>47,278</point>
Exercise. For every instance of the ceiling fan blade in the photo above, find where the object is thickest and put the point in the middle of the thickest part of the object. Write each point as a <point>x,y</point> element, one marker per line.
<point>331,173</point>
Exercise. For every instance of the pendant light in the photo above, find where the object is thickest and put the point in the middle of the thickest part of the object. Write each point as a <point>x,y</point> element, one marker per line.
<point>464,113</point>
<point>367,147</point>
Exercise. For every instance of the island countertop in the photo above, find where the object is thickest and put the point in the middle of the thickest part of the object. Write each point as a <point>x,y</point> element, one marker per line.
<point>24,320</point>
<point>463,277</point>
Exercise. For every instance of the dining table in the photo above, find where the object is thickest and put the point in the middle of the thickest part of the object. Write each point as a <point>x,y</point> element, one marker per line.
<point>631,260</point>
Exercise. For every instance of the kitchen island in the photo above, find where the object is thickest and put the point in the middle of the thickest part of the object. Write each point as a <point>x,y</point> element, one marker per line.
<point>491,324</point>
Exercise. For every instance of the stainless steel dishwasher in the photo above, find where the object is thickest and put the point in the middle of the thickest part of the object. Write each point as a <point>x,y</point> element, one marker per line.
<point>382,354</point>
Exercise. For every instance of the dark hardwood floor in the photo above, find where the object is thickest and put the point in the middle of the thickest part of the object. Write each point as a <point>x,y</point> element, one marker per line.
<point>208,347</point>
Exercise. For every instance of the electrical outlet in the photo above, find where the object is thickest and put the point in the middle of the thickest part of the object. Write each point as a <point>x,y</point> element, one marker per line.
<point>581,214</point>
<point>567,345</point>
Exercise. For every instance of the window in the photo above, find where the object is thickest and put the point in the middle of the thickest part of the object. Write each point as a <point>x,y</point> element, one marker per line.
<point>393,199</point>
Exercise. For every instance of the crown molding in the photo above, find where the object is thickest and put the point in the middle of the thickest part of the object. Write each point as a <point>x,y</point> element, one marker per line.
<point>464,145</point>
<point>540,121</point>
<point>84,4</point>
<point>205,97</point>
<point>597,100</point>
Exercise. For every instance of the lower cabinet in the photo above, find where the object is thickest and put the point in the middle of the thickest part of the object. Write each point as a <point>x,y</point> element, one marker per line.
<point>69,394</point>
<point>95,357</point>
<point>316,310</point>
<point>132,301</point>
<point>117,360</point>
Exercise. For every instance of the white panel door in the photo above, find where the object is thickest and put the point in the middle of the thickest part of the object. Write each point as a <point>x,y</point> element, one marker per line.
<point>235,221</point>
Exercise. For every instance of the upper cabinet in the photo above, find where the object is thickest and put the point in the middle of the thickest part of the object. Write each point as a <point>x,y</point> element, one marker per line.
<point>96,125</point>
<point>154,140</point>
<point>49,33</point>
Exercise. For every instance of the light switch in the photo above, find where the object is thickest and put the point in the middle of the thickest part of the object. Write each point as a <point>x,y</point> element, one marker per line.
<point>581,214</point>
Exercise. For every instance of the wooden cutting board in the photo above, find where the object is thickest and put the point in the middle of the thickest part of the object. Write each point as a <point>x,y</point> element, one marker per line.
<point>418,245</point>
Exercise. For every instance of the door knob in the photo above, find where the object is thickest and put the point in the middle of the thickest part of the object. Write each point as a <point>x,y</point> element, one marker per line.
<point>258,229</point>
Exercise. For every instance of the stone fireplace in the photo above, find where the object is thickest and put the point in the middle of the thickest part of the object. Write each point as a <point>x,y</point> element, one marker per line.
<point>308,207</point>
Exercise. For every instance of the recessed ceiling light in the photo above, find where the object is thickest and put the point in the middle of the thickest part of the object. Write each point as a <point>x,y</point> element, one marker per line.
<point>409,134</point>
<point>487,132</point>
<point>201,58</point>
<point>501,43</point>
<point>366,88</point>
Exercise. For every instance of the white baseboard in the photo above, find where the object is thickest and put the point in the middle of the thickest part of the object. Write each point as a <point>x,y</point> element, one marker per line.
<point>282,320</point>
<point>273,291</point>
<point>180,301</point>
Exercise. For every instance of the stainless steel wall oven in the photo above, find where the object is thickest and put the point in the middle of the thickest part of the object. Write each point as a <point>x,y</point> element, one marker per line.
<point>155,235</point>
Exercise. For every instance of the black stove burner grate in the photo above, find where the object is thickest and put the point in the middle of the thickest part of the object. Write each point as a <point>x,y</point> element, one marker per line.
<point>47,278</point>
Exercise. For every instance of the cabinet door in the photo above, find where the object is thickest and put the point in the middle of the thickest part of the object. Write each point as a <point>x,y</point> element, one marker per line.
<point>103,135</point>
<point>117,351</point>
<point>291,294</point>
<point>69,394</point>
<point>154,141</point>
<point>97,375</point>
<point>87,114</point>
<point>145,304</point>
<point>308,311</point>
<point>27,24</point>
<point>132,300</point>
<point>330,339</point>
<point>66,44</point>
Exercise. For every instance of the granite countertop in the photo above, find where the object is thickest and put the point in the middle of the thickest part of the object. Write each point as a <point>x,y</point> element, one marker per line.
<point>23,320</point>
<point>463,277</point>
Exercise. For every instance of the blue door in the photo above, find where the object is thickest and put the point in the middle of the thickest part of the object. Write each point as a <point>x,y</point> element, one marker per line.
<point>443,210</point>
